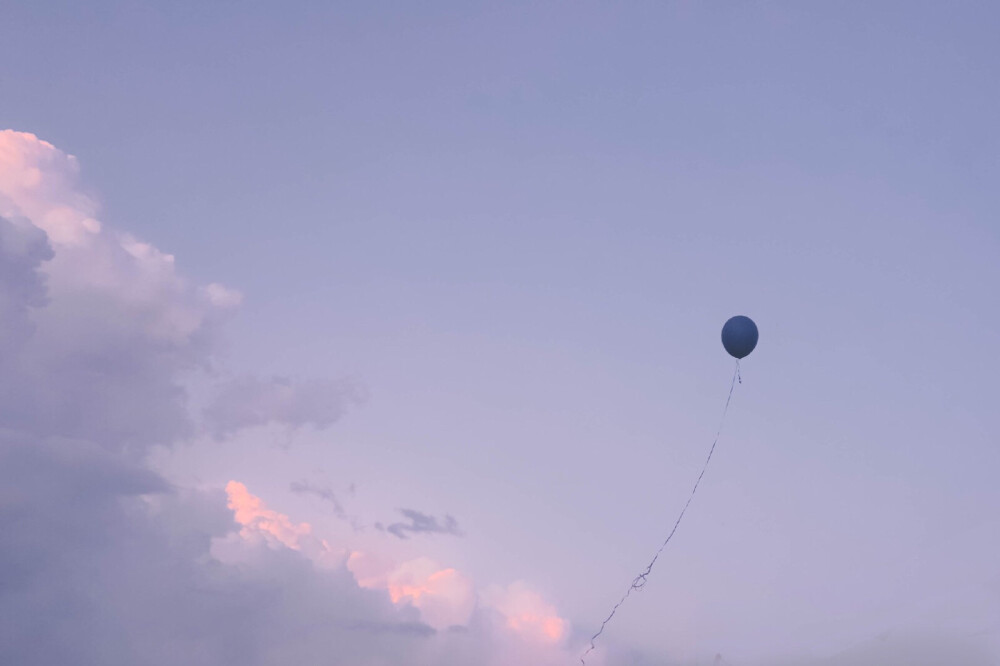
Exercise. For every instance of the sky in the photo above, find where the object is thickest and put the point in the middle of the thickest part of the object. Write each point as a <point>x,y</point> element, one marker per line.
<point>388,334</point>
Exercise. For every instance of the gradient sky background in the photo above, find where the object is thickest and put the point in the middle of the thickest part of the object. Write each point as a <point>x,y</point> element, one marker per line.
<point>513,231</point>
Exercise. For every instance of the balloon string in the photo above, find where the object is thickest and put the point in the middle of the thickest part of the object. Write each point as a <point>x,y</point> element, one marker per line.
<point>640,581</point>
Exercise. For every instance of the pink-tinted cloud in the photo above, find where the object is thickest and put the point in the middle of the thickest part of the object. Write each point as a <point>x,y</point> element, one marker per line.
<point>444,596</point>
<point>115,325</point>
<point>527,613</point>
<point>39,182</point>
<point>259,521</point>
<point>98,330</point>
<point>121,275</point>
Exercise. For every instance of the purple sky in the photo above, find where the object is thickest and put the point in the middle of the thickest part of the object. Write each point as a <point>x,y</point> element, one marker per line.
<point>359,334</point>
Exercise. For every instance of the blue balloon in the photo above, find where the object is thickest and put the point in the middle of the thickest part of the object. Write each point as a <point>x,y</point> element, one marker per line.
<point>739,336</point>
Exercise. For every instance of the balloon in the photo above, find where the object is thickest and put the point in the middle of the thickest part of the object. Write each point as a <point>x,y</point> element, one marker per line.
<point>739,336</point>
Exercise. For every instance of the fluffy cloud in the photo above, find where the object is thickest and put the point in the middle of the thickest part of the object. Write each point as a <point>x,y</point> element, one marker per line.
<point>23,248</point>
<point>250,512</point>
<point>527,613</point>
<point>119,325</point>
<point>444,596</point>
<point>106,563</point>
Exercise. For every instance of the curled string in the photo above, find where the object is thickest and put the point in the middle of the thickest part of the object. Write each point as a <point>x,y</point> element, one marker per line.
<point>639,581</point>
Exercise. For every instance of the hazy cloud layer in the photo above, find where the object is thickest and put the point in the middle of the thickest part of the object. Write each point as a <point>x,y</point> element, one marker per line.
<point>246,402</point>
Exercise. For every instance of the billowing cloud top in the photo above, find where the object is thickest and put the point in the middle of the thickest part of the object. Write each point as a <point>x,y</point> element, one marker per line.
<point>112,322</point>
<point>105,562</point>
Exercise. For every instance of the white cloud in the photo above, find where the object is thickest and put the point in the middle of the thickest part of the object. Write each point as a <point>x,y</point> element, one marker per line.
<point>118,324</point>
<point>104,562</point>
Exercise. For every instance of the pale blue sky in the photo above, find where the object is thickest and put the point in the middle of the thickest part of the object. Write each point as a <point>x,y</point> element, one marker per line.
<point>522,225</point>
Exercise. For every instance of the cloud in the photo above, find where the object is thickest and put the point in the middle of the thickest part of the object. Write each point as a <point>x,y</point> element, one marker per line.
<point>112,325</point>
<point>422,523</point>
<point>527,613</point>
<point>246,402</point>
<point>41,182</point>
<point>106,565</point>
<point>105,562</point>
<point>23,249</point>
<point>445,597</point>
<point>250,512</point>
